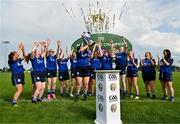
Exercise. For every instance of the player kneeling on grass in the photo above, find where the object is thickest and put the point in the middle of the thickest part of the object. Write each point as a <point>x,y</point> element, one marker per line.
<point>83,71</point>
<point>94,65</point>
<point>73,60</point>
<point>51,70</point>
<point>63,72</point>
<point>39,71</point>
<point>165,75</point>
<point>149,73</point>
<point>17,71</point>
<point>132,75</point>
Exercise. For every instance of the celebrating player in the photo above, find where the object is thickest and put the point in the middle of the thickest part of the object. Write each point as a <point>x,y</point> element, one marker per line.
<point>165,75</point>
<point>51,70</point>
<point>39,71</point>
<point>94,65</point>
<point>149,73</point>
<point>63,72</point>
<point>121,63</point>
<point>106,57</point>
<point>17,71</point>
<point>132,75</point>
<point>83,72</point>
<point>73,60</point>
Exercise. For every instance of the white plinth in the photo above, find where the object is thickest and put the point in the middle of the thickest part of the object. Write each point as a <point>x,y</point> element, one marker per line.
<point>107,97</point>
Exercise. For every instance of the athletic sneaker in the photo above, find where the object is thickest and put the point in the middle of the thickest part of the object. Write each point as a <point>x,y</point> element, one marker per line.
<point>172,99</point>
<point>164,98</point>
<point>53,96</point>
<point>131,96</point>
<point>67,94</point>
<point>33,101</point>
<point>61,94</point>
<point>15,105</point>
<point>49,97</point>
<point>148,94</point>
<point>71,95</point>
<point>85,97</point>
<point>77,98</point>
<point>89,94</point>
<point>154,96</point>
<point>39,99</point>
<point>136,97</point>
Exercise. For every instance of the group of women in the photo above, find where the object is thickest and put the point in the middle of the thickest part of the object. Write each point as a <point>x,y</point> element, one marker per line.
<point>46,63</point>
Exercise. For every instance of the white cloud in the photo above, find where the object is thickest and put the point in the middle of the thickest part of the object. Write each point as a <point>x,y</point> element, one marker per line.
<point>39,19</point>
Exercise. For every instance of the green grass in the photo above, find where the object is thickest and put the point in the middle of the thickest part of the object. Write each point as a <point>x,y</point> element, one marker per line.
<point>65,110</point>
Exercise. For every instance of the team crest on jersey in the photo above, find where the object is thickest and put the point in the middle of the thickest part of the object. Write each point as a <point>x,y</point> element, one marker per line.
<point>39,61</point>
<point>19,80</point>
<point>38,78</point>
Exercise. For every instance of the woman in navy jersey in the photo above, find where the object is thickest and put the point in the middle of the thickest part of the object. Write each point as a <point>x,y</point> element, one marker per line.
<point>94,65</point>
<point>121,64</point>
<point>17,71</point>
<point>149,73</point>
<point>39,71</point>
<point>132,75</point>
<point>83,71</point>
<point>63,72</point>
<point>73,60</point>
<point>165,75</point>
<point>106,57</point>
<point>51,70</point>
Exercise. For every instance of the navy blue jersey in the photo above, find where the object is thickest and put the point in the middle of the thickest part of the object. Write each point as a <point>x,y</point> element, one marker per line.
<point>147,66</point>
<point>131,66</point>
<point>95,63</point>
<point>16,67</point>
<point>38,64</point>
<point>51,63</point>
<point>73,63</point>
<point>62,64</point>
<point>166,68</point>
<point>121,60</point>
<point>82,59</point>
<point>106,62</point>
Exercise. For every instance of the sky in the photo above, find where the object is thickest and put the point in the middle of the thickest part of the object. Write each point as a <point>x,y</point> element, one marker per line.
<point>150,25</point>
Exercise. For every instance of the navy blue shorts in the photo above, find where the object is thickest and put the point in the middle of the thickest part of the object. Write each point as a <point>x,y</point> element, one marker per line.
<point>165,77</point>
<point>83,72</point>
<point>73,73</point>
<point>132,74</point>
<point>122,70</point>
<point>92,73</point>
<point>51,73</point>
<point>148,76</point>
<point>63,76</point>
<point>17,79</point>
<point>38,77</point>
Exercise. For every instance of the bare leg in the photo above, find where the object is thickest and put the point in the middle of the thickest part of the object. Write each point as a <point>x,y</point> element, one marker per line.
<point>17,94</point>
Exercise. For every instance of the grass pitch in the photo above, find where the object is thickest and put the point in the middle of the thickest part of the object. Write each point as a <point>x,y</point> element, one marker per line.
<point>65,110</point>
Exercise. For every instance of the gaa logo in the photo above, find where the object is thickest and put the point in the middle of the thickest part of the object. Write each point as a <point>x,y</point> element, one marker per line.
<point>100,86</point>
<point>112,77</point>
<point>100,98</point>
<point>99,77</point>
<point>100,106</point>
<point>113,98</point>
<point>113,108</point>
<point>113,87</point>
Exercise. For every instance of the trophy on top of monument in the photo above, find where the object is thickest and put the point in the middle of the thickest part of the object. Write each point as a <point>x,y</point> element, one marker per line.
<point>86,36</point>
